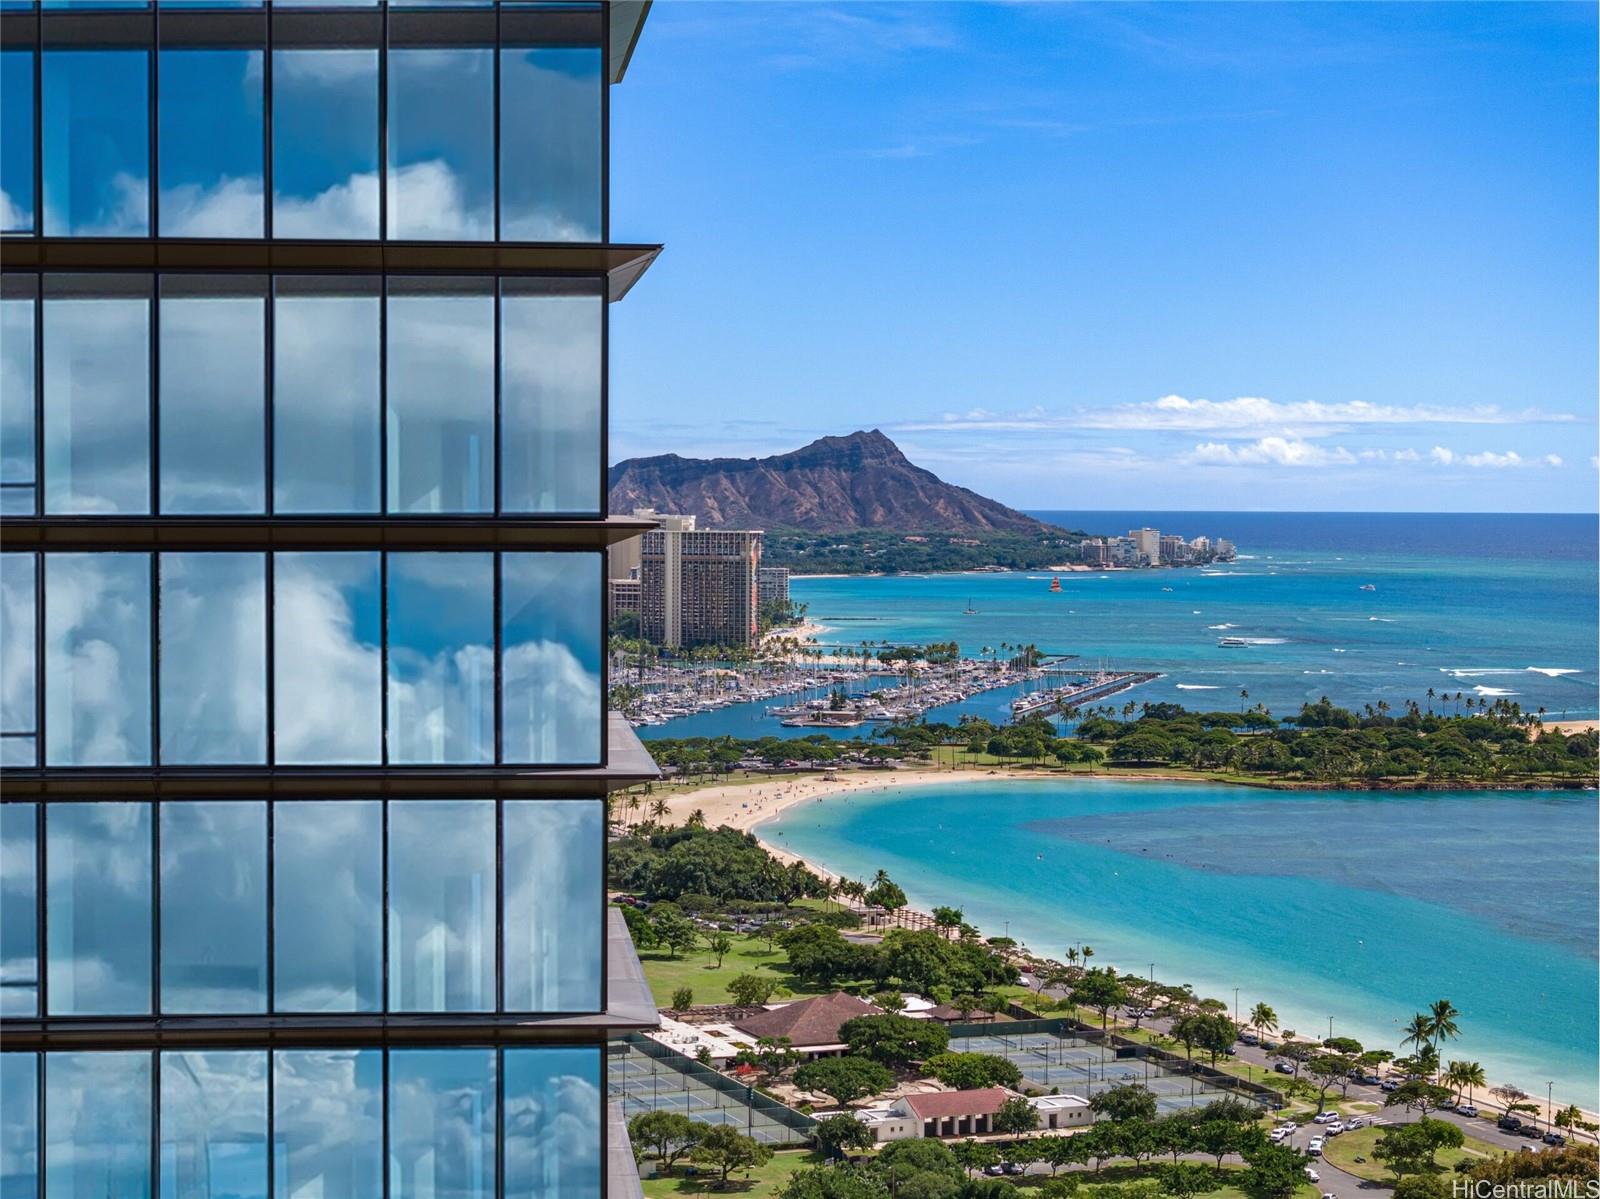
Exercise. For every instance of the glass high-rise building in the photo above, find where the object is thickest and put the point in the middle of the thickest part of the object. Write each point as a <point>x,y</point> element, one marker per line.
<point>303,719</point>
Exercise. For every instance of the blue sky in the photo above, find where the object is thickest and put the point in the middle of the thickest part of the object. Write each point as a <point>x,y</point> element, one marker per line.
<point>1095,255</point>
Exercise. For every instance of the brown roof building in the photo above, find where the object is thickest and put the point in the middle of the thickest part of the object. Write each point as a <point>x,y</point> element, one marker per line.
<point>955,1113</point>
<point>812,1025</point>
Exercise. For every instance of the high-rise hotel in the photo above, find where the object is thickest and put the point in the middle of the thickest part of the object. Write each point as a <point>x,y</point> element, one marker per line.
<point>302,678</point>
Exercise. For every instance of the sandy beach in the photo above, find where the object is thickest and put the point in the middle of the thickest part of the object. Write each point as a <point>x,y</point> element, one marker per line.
<point>743,806</point>
<point>1572,726</point>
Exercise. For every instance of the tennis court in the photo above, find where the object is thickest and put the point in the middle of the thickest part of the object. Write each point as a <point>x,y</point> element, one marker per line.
<point>645,1083</point>
<point>1080,1067</point>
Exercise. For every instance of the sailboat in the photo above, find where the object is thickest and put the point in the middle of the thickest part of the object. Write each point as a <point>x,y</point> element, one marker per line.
<point>969,610</point>
<point>1055,583</point>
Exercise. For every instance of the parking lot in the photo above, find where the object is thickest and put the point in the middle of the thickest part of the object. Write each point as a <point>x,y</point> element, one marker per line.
<point>1078,1067</point>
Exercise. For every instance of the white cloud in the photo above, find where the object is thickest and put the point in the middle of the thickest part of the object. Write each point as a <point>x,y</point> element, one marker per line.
<point>1243,416</point>
<point>1270,451</point>
<point>1489,459</point>
<point>1295,452</point>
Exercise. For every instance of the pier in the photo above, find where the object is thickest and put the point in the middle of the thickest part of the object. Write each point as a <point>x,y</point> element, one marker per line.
<point>1099,685</point>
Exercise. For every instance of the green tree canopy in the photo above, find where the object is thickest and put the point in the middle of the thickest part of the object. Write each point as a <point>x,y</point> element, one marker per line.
<point>845,1079</point>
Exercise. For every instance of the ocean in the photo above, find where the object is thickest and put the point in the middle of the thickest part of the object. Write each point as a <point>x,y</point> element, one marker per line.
<point>1487,606</point>
<point>1357,907</point>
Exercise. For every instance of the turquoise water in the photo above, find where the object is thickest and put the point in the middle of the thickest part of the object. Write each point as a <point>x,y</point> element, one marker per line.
<point>1488,605</point>
<point>1359,906</point>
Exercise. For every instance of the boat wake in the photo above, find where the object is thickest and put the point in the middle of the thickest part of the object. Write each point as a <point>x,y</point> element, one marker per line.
<point>1198,687</point>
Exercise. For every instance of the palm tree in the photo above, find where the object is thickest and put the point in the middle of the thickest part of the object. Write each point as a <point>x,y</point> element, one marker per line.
<point>1263,1019</point>
<point>658,808</point>
<point>1419,1032</point>
<point>1244,694</point>
<point>1442,1022</point>
<point>1465,1076</point>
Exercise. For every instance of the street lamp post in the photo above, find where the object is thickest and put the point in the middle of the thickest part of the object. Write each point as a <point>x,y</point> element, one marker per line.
<point>1236,1005</point>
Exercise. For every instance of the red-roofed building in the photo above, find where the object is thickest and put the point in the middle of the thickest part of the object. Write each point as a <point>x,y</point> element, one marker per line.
<point>956,1113</point>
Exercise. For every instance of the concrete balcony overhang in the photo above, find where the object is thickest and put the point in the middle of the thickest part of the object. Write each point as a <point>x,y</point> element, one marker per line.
<point>627,764</point>
<point>627,20</point>
<point>475,532</point>
<point>620,264</point>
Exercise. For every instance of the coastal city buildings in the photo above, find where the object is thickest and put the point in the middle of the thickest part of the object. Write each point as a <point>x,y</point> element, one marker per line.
<point>698,586</point>
<point>772,585</point>
<point>303,721</point>
<point>1150,547</point>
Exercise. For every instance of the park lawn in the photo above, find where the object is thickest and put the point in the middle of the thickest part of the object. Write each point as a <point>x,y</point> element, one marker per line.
<point>698,970</point>
<point>759,1182</point>
<point>1342,1151</point>
<point>1132,1173</point>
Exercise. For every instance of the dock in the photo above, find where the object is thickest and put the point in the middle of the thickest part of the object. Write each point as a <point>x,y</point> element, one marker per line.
<point>1100,685</point>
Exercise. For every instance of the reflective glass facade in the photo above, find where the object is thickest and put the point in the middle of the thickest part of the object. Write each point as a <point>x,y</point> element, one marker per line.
<point>252,1123</point>
<point>303,728</point>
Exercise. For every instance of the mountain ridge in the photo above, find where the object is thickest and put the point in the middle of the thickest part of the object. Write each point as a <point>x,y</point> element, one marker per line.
<point>859,481</point>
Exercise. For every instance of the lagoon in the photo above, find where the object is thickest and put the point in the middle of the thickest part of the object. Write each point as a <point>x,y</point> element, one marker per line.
<point>1359,906</point>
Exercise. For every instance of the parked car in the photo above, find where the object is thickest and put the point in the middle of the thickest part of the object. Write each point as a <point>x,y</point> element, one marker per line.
<point>995,1170</point>
<point>1313,1175</point>
<point>1554,1138</point>
<point>1011,1167</point>
<point>1283,1067</point>
<point>1324,1117</point>
<point>1509,1123</point>
<point>1334,1129</point>
<point>1368,1078</point>
<point>1531,1130</point>
<point>1389,1084</point>
<point>1466,1109</point>
<point>1315,1148</point>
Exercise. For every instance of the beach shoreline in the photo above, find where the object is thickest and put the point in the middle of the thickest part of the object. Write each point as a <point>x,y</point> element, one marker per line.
<point>747,807</point>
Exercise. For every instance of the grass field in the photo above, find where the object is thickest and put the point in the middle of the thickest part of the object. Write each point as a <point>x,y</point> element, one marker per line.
<point>698,970</point>
<point>759,1182</point>
<point>1342,1151</point>
<point>763,1182</point>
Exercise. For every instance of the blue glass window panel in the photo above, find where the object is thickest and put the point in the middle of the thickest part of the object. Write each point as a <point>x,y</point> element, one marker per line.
<point>213,658</point>
<point>328,900</point>
<point>16,141</point>
<point>552,459</point>
<point>97,659</point>
<point>97,1125</point>
<point>554,883</point>
<point>212,410</point>
<point>213,906</point>
<point>19,432</point>
<point>441,658</point>
<point>327,660</point>
<point>550,673</point>
<point>442,1124</point>
<point>550,151</point>
<point>325,143</point>
<point>214,1124</point>
<point>97,908</point>
<point>211,140</point>
<point>19,1126</point>
<point>96,143</point>
<point>441,144</point>
<point>441,396</point>
<point>96,402</point>
<point>326,402</point>
<point>327,1123</point>
<point>19,675</point>
<point>553,1101</point>
<point>441,905</point>
<point>19,911</point>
